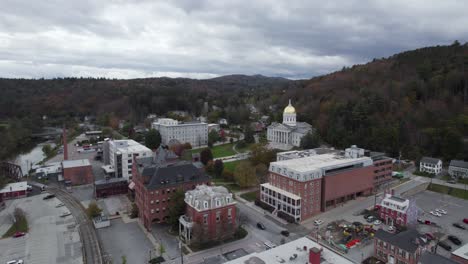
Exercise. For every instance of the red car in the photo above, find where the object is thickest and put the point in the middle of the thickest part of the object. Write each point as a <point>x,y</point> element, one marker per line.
<point>465,220</point>
<point>430,236</point>
<point>19,234</point>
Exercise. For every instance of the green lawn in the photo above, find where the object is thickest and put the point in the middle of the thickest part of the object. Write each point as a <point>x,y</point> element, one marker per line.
<point>231,166</point>
<point>218,151</point>
<point>250,196</point>
<point>459,193</point>
<point>246,148</point>
<point>463,181</point>
<point>20,226</point>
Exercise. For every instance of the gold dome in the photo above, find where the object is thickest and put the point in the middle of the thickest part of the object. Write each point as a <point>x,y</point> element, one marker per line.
<point>289,109</point>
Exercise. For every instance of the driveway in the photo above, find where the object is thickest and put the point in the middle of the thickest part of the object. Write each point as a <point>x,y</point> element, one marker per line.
<point>170,242</point>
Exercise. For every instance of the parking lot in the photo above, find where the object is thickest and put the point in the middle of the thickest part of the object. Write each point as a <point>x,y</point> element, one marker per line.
<point>456,210</point>
<point>125,239</point>
<point>51,238</point>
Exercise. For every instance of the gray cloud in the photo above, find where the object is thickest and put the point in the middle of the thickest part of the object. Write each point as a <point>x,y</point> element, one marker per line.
<point>202,39</point>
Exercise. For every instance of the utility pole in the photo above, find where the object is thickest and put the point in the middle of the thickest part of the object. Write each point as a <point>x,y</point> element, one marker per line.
<point>181,253</point>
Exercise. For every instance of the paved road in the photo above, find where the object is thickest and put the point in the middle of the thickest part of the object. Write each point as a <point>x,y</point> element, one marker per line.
<point>92,250</point>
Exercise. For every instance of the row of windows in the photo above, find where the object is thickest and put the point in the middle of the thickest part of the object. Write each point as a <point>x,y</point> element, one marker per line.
<point>218,216</point>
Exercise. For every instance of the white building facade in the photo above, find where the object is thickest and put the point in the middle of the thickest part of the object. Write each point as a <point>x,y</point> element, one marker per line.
<point>121,154</point>
<point>195,133</point>
<point>288,134</point>
<point>458,169</point>
<point>430,165</point>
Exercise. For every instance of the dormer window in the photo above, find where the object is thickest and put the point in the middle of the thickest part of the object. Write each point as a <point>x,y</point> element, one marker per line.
<point>228,199</point>
<point>218,203</point>
<point>205,204</point>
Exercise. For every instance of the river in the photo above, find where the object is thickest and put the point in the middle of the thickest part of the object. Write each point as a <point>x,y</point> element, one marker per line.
<point>33,157</point>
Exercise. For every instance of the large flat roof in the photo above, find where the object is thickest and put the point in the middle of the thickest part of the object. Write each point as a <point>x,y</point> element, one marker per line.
<point>75,163</point>
<point>318,162</point>
<point>462,252</point>
<point>15,187</point>
<point>292,252</point>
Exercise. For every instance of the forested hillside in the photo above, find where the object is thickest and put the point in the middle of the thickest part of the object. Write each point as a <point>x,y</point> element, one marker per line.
<point>415,102</point>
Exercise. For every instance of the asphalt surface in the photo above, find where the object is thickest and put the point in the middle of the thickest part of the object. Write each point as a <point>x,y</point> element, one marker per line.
<point>89,238</point>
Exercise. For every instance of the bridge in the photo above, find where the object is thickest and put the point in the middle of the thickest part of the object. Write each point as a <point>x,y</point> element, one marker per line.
<point>48,132</point>
<point>11,170</point>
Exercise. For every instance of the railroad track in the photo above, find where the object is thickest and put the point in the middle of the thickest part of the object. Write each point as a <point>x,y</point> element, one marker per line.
<point>88,235</point>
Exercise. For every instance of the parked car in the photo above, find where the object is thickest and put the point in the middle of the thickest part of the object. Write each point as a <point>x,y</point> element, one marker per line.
<point>49,196</point>
<point>261,226</point>
<point>318,222</point>
<point>285,233</point>
<point>377,207</point>
<point>436,214</point>
<point>370,219</point>
<point>12,262</point>
<point>445,245</point>
<point>430,236</point>
<point>465,220</point>
<point>420,221</point>
<point>454,240</point>
<point>391,229</point>
<point>377,222</point>
<point>452,181</point>
<point>20,262</point>
<point>427,222</point>
<point>19,234</point>
<point>457,225</point>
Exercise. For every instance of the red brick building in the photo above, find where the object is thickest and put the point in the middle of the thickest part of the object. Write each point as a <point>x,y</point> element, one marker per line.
<point>403,248</point>
<point>77,172</point>
<point>14,190</point>
<point>299,188</point>
<point>113,186</point>
<point>210,215</point>
<point>156,181</point>
<point>383,168</point>
<point>394,210</point>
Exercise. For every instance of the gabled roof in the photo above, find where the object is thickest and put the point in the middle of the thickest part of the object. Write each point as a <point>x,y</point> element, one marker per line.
<point>408,240</point>
<point>430,160</point>
<point>459,163</point>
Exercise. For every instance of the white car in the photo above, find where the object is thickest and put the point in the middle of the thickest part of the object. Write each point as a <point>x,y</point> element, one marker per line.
<point>441,211</point>
<point>435,214</point>
<point>20,262</point>
<point>12,262</point>
<point>391,229</point>
<point>377,222</point>
<point>318,222</point>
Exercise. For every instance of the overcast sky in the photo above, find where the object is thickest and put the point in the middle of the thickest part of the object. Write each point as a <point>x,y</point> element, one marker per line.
<point>203,39</point>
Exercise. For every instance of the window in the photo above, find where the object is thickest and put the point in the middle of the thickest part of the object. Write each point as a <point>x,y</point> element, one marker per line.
<point>152,201</point>
<point>218,203</point>
<point>230,213</point>
<point>218,216</point>
<point>205,204</point>
<point>157,201</point>
<point>205,219</point>
<point>152,211</point>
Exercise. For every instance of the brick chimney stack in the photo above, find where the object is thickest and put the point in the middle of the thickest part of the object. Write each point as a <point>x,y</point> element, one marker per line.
<point>314,255</point>
<point>65,144</point>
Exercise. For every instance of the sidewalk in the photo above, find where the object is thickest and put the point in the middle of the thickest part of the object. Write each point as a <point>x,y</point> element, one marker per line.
<point>261,211</point>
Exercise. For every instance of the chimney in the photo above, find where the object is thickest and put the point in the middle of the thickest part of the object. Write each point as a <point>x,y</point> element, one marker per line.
<point>314,255</point>
<point>65,144</point>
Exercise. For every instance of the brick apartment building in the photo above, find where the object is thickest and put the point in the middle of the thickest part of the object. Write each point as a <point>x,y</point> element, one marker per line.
<point>156,180</point>
<point>77,172</point>
<point>402,248</point>
<point>397,211</point>
<point>299,188</point>
<point>210,215</point>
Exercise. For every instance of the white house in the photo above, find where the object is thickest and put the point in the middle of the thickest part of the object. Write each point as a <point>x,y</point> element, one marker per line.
<point>458,169</point>
<point>430,165</point>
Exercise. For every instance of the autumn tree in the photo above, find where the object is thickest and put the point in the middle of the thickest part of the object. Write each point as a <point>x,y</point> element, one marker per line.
<point>93,210</point>
<point>218,168</point>
<point>310,140</point>
<point>245,174</point>
<point>206,156</point>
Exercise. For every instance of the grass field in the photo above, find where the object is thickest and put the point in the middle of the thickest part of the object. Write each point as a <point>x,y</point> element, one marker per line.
<point>250,196</point>
<point>246,148</point>
<point>231,166</point>
<point>20,226</point>
<point>459,193</point>
<point>219,151</point>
